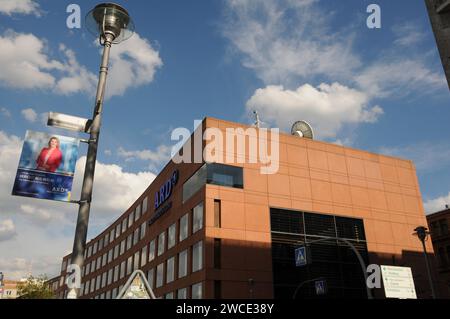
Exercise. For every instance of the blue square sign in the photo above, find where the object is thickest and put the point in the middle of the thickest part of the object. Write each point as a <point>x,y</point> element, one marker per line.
<point>300,257</point>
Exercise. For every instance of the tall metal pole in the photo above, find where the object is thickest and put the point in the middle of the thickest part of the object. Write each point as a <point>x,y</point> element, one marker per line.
<point>427,262</point>
<point>79,244</point>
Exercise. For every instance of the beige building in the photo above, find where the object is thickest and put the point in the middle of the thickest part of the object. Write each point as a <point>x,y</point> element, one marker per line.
<point>225,230</point>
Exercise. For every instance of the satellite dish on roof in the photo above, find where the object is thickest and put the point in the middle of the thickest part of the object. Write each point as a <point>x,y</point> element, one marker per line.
<point>302,129</point>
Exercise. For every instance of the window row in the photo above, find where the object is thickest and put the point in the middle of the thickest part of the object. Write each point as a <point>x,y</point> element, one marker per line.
<point>182,293</point>
<point>172,267</point>
<point>118,230</point>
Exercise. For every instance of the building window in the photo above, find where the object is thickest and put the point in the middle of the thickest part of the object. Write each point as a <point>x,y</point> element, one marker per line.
<point>136,260</point>
<point>443,227</point>
<point>143,227</point>
<point>124,225</point>
<point>182,293</point>
<point>144,256</point>
<point>64,266</point>
<point>99,262</point>
<point>95,248</point>
<point>114,293</point>
<point>442,257</point>
<point>130,219</point>
<point>116,273</point>
<point>129,241</point>
<point>217,252</point>
<point>100,244</point>
<point>197,218</point>
<point>98,282</point>
<point>105,258</point>
<point>122,246</point>
<point>144,205</point>
<point>197,291</point>
<point>171,236</point>
<point>136,236</point>
<point>110,255</point>
<point>217,213</point>
<point>129,265</point>
<point>116,251</point>
<point>159,275</point>
<point>89,251</point>
<point>169,295</point>
<point>104,279</point>
<point>161,243</point>
<point>118,230</point>
<point>111,235</point>
<point>87,270</point>
<point>137,213</point>
<point>290,229</point>
<point>216,174</point>
<point>150,277</point>
<point>86,287</point>
<point>122,269</point>
<point>151,251</point>
<point>110,276</point>
<point>170,272</point>
<point>108,294</point>
<point>197,256</point>
<point>92,266</point>
<point>92,285</point>
<point>182,264</point>
<point>106,240</point>
<point>184,227</point>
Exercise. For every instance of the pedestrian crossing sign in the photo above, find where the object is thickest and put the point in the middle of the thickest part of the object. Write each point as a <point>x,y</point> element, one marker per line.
<point>300,257</point>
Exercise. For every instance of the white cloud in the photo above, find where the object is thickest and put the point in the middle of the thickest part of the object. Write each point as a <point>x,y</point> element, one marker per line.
<point>287,42</point>
<point>408,34</point>
<point>45,229</point>
<point>155,158</point>
<point>427,156</point>
<point>30,115</point>
<point>26,65</point>
<point>326,107</point>
<point>5,112</point>
<point>286,39</point>
<point>7,230</point>
<point>78,78</point>
<point>10,7</point>
<point>436,204</point>
<point>24,62</point>
<point>133,63</point>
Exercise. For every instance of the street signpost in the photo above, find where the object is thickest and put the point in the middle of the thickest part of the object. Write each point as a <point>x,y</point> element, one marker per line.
<point>321,287</point>
<point>136,287</point>
<point>398,282</point>
<point>301,258</point>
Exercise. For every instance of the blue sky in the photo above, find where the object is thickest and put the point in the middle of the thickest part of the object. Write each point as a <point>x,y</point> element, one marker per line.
<point>381,90</point>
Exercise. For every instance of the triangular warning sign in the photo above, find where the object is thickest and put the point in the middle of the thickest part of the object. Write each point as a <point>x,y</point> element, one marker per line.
<point>136,287</point>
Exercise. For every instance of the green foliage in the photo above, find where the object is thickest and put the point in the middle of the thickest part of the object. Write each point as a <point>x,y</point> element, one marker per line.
<point>35,288</point>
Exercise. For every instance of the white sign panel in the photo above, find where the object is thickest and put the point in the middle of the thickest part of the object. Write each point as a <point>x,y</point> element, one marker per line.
<point>398,282</point>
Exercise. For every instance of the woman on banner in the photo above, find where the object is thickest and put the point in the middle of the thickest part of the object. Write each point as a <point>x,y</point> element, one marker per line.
<point>50,157</point>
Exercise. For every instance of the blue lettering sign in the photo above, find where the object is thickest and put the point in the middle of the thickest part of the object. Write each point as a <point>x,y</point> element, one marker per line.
<point>166,190</point>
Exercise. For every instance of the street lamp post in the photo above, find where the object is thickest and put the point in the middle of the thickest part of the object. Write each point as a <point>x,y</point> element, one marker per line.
<point>422,233</point>
<point>113,25</point>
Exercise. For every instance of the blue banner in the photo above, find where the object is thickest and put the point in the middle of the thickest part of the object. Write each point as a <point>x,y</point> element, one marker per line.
<point>46,167</point>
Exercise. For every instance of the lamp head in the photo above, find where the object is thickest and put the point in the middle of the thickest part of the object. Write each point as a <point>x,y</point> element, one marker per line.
<point>421,232</point>
<point>110,20</point>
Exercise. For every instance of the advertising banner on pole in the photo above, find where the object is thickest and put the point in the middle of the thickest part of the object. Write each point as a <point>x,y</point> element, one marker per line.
<point>46,167</point>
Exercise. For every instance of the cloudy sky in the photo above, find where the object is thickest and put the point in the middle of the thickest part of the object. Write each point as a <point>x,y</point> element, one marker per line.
<point>379,90</point>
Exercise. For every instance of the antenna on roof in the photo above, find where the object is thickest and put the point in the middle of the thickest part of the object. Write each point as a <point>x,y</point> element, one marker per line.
<point>257,121</point>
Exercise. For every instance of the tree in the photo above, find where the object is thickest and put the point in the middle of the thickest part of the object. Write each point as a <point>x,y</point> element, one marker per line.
<point>35,288</point>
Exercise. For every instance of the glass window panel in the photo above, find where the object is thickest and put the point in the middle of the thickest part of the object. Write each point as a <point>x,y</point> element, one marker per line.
<point>161,243</point>
<point>197,256</point>
<point>197,218</point>
<point>151,251</point>
<point>150,276</point>
<point>122,246</point>
<point>197,291</point>
<point>130,219</point>
<point>116,273</point>
<point>129,265</point>
<point>225,175</point>
<point>136,260</point>
<point>144,256</point>
<point>169,295</point>
<point>171,236</point>
<point>182,293</point>
<point>182,264</point>
<point>159,275</point>
<point>111,235</point>
<point>129,241</point>
<point>122,269</point>
<point>124,225</point>
<point>136,236</point>
<point>184,227</point>
<point>118,230</point>
<point>194,183</point>
<point>143,227</point>
<point>110,276</point>
<point>144,205</point>
<point>170,270</point>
